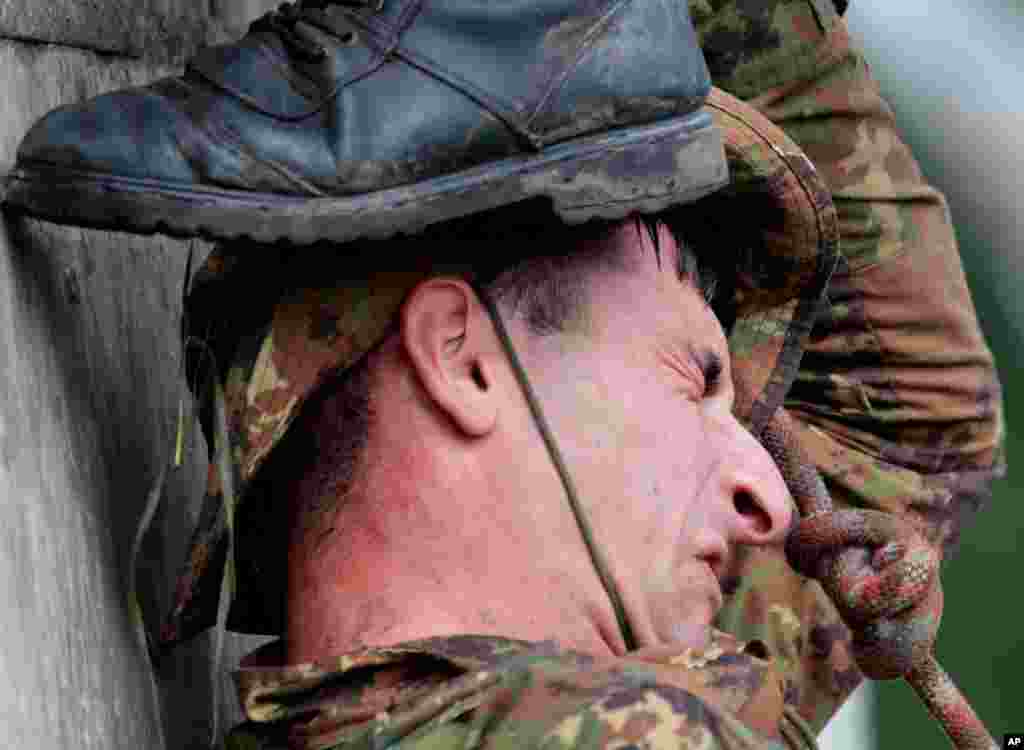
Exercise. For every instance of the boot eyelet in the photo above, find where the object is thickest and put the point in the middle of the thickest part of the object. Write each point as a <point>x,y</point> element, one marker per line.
<point>349,38</point>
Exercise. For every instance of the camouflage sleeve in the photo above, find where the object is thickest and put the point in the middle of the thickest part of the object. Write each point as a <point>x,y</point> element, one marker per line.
<point>897,397</point>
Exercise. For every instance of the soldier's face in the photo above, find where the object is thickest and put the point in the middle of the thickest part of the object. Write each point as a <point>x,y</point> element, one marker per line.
<point>642,407</point>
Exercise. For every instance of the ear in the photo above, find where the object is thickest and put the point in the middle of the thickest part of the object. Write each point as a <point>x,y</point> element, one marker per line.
<point>449,339</point>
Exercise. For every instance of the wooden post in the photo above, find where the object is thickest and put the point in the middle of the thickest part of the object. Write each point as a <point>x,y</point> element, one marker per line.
<point>90,384</point>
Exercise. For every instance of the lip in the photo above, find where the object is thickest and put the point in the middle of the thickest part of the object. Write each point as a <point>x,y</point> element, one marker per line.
<point>716,587</point>
<point>716,555</point>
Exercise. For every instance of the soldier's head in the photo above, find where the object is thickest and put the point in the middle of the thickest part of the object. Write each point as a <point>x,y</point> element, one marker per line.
<point>427,503</point>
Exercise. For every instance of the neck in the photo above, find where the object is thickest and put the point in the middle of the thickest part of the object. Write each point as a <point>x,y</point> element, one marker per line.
<point>433,541</point>
<point>384,578</point>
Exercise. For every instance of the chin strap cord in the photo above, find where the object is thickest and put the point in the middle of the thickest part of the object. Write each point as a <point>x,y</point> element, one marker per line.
<point>600,564</point>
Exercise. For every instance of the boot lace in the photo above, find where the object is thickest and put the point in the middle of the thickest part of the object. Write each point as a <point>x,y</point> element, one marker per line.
<point>283,20</point>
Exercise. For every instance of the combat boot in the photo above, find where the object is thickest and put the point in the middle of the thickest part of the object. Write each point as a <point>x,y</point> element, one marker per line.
<point>337,119</point>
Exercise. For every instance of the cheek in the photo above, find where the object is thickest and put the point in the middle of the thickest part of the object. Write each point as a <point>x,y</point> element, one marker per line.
<point>638,451</point>
<point>595,415</point>
<point>664,463</point>
<point>672,465</point>
<point>591,422</point>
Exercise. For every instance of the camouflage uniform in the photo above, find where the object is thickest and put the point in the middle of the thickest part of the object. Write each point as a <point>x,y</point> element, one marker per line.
<point>470,691</point>
<point>895,395</point>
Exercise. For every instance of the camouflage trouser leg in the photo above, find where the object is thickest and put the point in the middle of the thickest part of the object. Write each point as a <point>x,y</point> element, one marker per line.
<point>897,397</point>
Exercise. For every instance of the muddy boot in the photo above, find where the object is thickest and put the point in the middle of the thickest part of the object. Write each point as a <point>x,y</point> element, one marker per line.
<point>339,119</point>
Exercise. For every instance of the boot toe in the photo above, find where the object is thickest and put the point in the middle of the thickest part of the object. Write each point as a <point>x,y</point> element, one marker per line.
<point>128,133</point>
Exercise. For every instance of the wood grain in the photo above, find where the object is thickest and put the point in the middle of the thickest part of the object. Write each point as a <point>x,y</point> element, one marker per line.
<point>89,372</point>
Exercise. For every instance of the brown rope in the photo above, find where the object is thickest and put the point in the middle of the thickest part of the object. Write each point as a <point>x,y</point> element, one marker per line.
<point>883,577</point>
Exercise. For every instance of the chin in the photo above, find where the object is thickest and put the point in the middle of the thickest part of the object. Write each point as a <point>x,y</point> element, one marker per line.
<point>685,614</point>
<point>694,623</point>
<point>691,633</point>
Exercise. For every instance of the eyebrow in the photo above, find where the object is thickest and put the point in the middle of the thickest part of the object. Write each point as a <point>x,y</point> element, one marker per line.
<point>710,367</point>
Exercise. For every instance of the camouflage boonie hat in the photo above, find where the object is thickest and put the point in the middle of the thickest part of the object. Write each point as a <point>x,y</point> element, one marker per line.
<point>308,316</point>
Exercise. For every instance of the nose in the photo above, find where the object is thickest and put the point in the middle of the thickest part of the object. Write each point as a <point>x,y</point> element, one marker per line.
<point>761,507</point>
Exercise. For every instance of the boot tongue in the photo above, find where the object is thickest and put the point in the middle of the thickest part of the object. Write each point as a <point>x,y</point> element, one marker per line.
<point>259,71</point>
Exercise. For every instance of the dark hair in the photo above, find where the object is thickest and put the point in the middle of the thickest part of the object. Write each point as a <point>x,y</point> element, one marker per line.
<point>545,287</point>
<point>549,291</point>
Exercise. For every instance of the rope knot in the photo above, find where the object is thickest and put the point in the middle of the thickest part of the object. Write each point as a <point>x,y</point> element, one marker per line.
<point>884,578</point>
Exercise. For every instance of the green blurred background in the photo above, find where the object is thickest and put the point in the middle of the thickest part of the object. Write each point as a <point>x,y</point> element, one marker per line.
<point>953,74</point>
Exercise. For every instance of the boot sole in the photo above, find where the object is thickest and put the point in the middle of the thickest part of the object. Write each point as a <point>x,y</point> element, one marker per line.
<point>638,169</point>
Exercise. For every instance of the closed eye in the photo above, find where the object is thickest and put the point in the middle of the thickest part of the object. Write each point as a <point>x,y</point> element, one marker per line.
<point>711,368</point>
